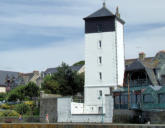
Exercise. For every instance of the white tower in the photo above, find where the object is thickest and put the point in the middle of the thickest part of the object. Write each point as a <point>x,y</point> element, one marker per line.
<point>104,55</point>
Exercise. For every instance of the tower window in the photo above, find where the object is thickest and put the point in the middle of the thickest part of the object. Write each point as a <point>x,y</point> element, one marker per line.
<point>100,75</point>
<point>100,93</point>
<point>99,28</point>
<point>100,60</point>
<point>100,44</point>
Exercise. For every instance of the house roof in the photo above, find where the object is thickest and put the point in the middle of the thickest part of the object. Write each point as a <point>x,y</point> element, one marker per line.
<point>5,74</point>
<point>130,61</point>
<point>51,70</point>
<point>151,76</point>
<point>137,65</point>
<point>54,70</point>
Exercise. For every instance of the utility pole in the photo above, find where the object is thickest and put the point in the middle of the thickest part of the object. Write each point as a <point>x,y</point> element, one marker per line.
<point>128,93</point>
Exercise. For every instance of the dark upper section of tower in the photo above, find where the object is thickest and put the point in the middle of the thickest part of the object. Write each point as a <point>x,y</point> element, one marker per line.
<point>102,20</point>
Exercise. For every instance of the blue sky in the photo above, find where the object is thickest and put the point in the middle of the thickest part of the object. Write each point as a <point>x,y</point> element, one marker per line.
<point>38,34</point>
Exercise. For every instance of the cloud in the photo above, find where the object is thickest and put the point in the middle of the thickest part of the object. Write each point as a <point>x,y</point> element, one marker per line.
<point>42,58</point>
<point>37,34</point>
<point>150,42</point>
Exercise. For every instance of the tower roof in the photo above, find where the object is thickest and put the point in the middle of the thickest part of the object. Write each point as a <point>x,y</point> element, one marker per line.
<point>101,13</point>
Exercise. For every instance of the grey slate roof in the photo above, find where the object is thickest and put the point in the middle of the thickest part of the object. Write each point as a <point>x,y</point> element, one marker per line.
<point>137,65</point>
<point>51,70</point>
<point>4,74</point>
<point>76,68</point>
<point>151,76</point>
<point>54,70</point>
<point>101,13</point>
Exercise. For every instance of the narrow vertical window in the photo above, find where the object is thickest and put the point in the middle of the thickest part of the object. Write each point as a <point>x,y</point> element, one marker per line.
<point>100,75</point>
<point>100,60</point>
<point>100,44</point>
<point>100,93</point>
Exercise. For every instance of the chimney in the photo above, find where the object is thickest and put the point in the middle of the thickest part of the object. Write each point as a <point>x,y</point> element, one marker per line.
<point>36,72</point>
<point>142,56</point>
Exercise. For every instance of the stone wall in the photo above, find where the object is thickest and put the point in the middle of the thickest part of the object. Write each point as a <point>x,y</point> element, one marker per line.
<point>48,105</point>
<point>154,117</point>
<point>64,112</point>
<point>131,116</point>
<point>125,116</point>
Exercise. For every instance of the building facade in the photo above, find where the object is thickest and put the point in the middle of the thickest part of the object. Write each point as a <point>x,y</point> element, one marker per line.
<point>104,55</point>
<point>143,85</point>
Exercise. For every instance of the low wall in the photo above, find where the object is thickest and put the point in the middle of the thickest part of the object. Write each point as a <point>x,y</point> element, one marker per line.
<point>154,117</point>
<point>125,116</point>
<point>64,112</point>
<point>136,117</point>
<point>48,105</point>
<point>78,126</point>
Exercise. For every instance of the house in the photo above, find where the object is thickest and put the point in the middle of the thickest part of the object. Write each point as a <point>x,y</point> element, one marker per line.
<point>140,74</point>
<point>10,80</point>
<point>143,88</point>
<point>29,77</point>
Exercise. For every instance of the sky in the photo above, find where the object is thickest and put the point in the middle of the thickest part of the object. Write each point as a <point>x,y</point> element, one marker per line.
<point>41,34</point>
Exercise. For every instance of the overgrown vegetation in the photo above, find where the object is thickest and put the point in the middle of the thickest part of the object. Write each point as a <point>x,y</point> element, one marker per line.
<point>22,92</point>
<point>20,101</point>
<point>64,82</point>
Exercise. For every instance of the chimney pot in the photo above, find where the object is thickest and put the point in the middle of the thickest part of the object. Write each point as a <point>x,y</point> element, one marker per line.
<point>142,56</point>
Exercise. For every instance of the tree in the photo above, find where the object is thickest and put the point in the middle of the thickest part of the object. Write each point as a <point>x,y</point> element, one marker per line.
<point>16,93</point>
<point>31,90</point>
<point>50,86</point>
<point>64,82</point>
<point>23,92</point>
<point>2,96</point>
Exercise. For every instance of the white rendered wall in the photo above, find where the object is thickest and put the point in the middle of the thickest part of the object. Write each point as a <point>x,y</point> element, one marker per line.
<point>93,84</point>
<point>65,115</point>
<point>92,96</point>
<point>108,53</point>
<point>120,52</point>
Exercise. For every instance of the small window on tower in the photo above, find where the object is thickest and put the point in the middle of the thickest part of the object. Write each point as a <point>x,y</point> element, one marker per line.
<point>100,44</point>
<point>99,28</point>
<point>100,60</point>
<point>100,75</point>
<point>100,93</point>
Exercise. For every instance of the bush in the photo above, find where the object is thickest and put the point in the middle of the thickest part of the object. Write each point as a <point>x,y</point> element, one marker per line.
<point>5,106</point>
<point>30,103</point>
<point>36,111</point>
<point>8,113</point>
<point>2,96</point>
<point>23,109</point>
<point>16,93</point>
